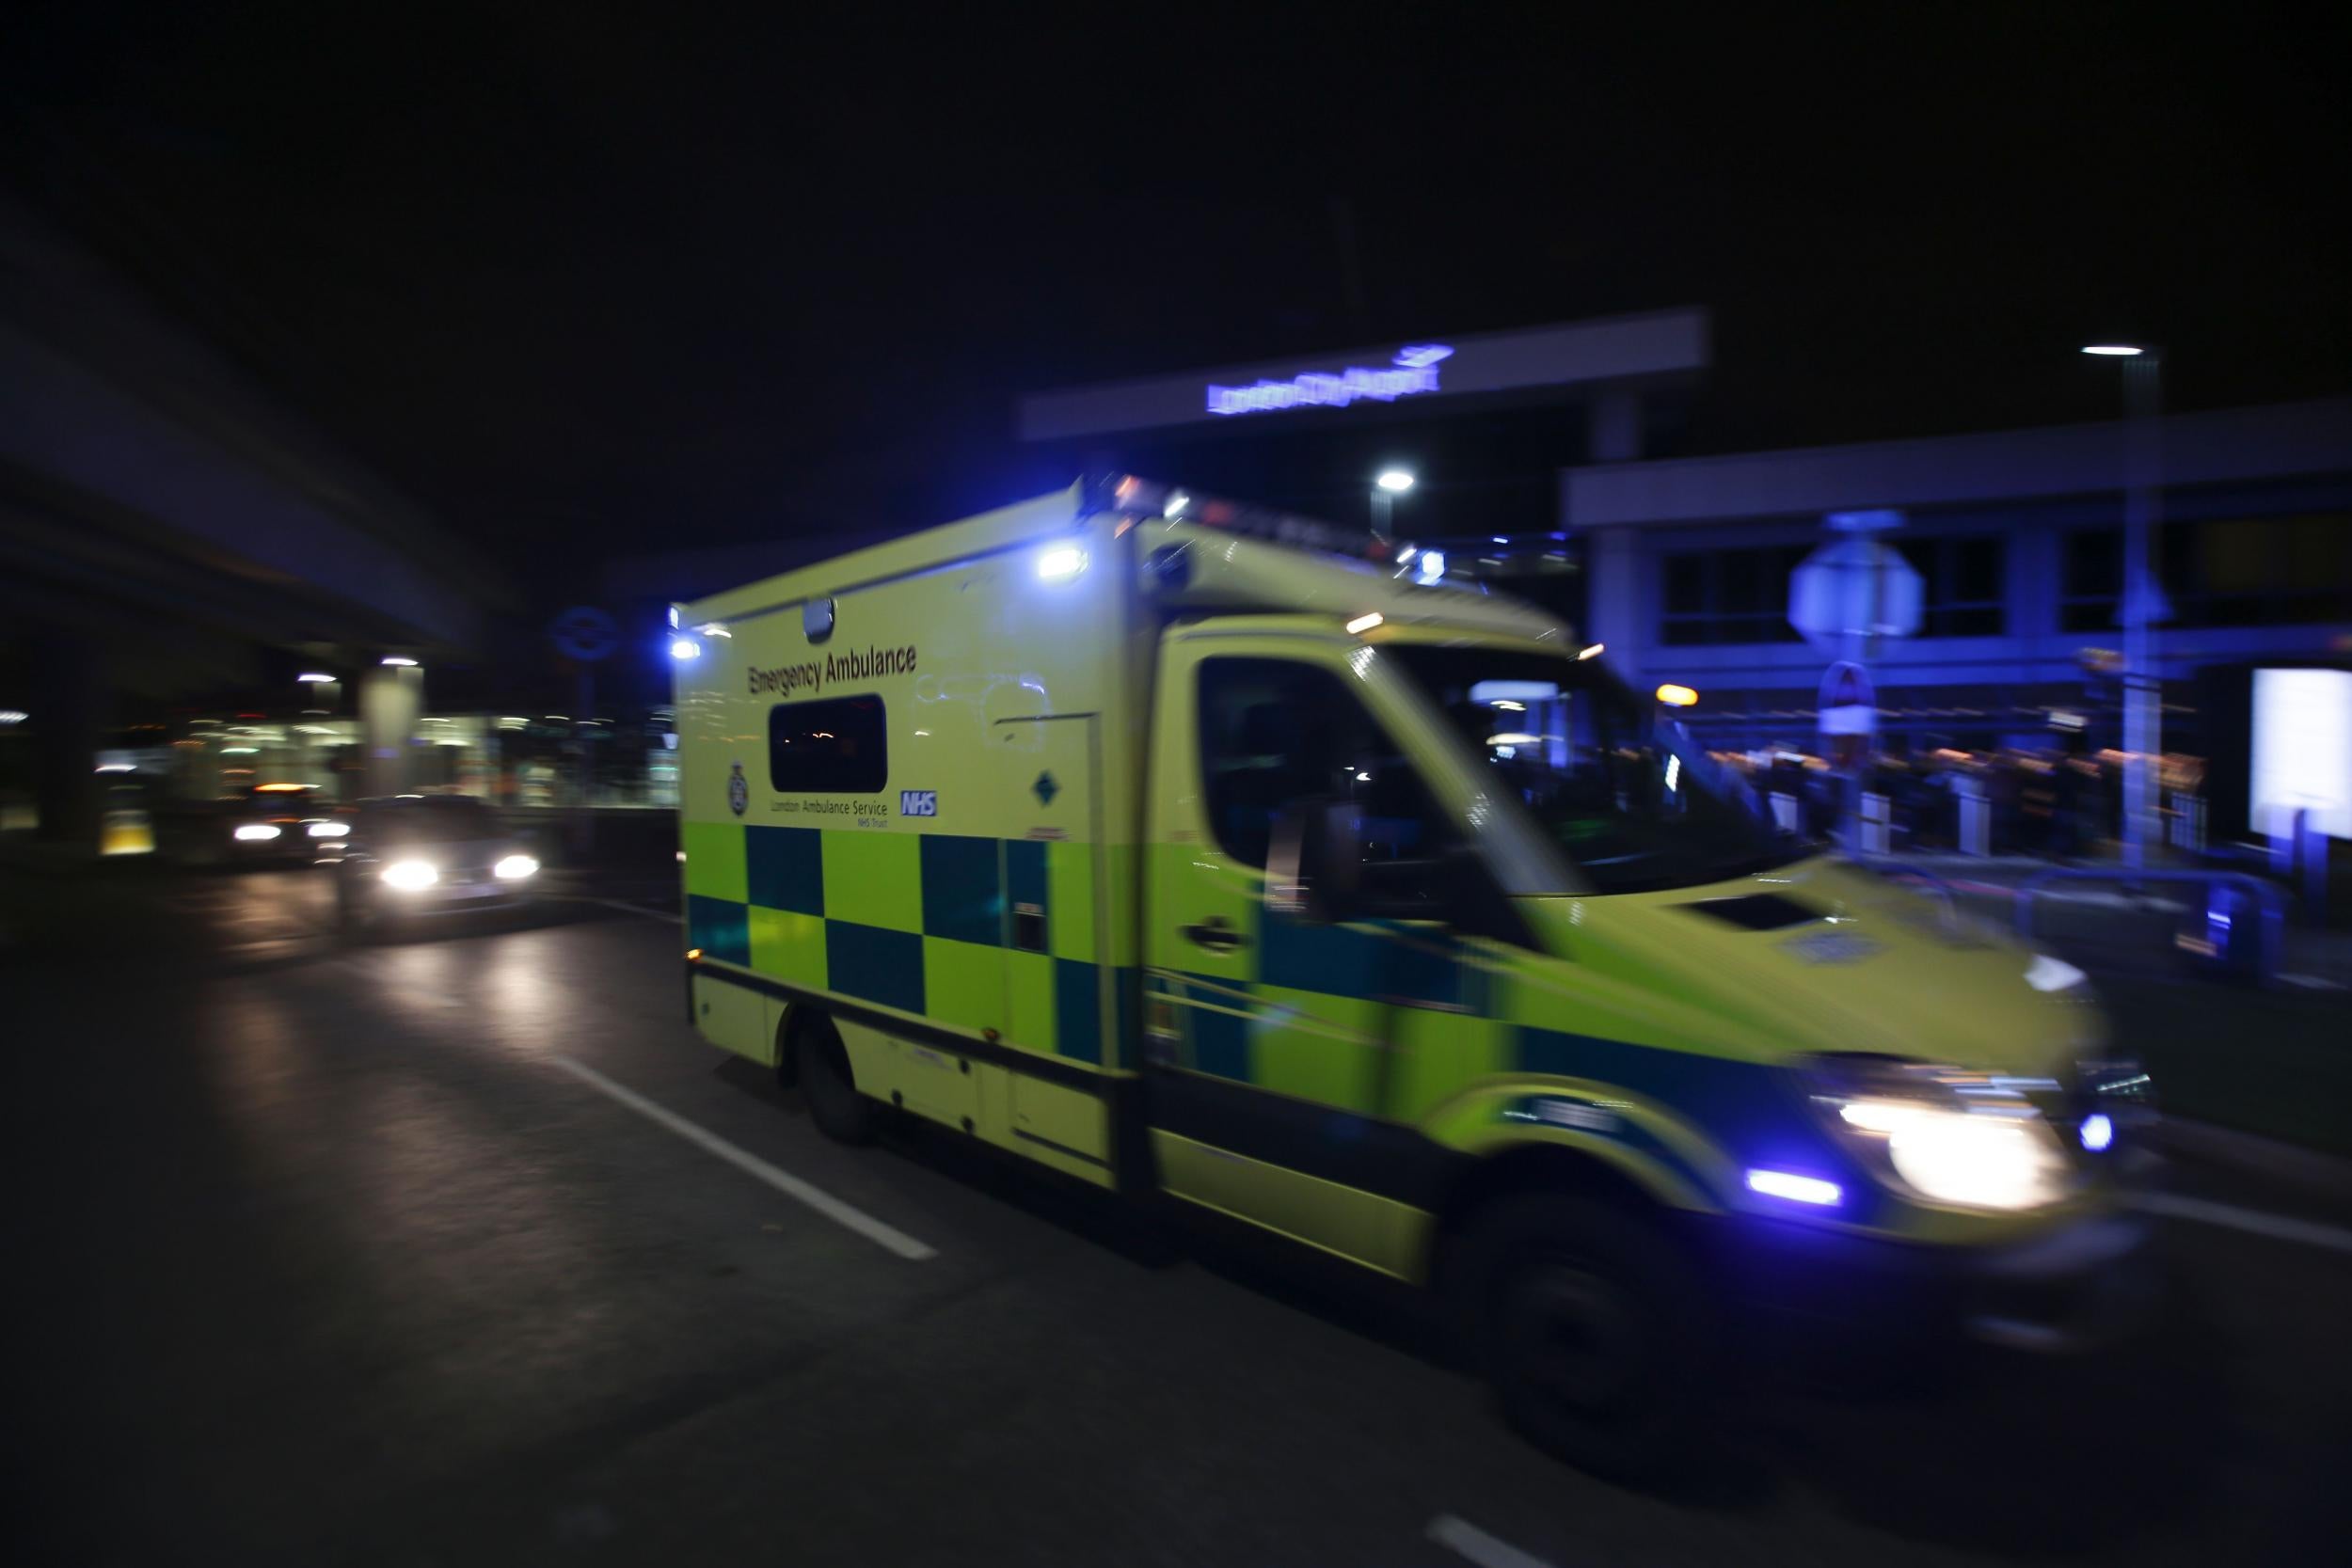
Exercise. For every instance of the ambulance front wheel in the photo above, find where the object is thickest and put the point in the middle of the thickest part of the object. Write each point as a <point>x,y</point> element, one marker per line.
<point>822,1066</point>
<point>1592,1326</point>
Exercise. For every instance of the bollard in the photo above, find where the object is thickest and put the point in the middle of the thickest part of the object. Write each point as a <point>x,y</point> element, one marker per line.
<point>1976,820</point>
<point>1875,826</point>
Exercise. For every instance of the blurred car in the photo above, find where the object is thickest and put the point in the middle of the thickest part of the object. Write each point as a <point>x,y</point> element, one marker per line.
<point>409,856</point>
<point>279,823</point>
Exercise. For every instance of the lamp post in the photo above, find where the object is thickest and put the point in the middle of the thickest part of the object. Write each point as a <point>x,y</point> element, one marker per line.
<point>2143,603</point>
<point>1391,484</point>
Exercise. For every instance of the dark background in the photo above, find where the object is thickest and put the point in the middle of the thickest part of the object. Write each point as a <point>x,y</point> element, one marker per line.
<point>590,281</point>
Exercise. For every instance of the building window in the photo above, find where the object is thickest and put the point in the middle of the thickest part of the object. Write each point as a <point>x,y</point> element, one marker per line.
<point>1962,590</point>
<point>2221,572</point>
<point>1729,596</point>
<point>834,747</point>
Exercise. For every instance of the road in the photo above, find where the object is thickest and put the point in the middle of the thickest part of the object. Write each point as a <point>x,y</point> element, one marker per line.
<point>322,1254</point>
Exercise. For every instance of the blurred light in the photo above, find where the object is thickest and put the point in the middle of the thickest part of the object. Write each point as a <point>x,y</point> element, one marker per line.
<point>1674,773</point>
<point>1677,696</point>
<point>329,830</point>
<point>1431,565</point>
<point>1404,556</point>
<point>13,715</point>
<point>1365,622</point>
<point>1395,480</point>
<point>115,768</point>
<point>1507,705</point>
<point>313,678</point>
<point>1795,1188</point>
<point>693,955</point>
<point>1363,778</point>
<point>1502,538</point>
<point>513,869</point>
<point>1513,738</point>
<point>1064,561</point>
<point>685,648</point>
<point>412,876</point>
<point>2098,1131</point>
<point>398,661</point>
<point>713,629</point>
<point>1978,1161</point>
<point>1593,652</point>
<point>2116,351</point>
<point>239,751</point>
<point>1176,503</point>
<point>257,832</point>
<point>673,615</point>
<point>1878,1116</point>
<point>279,789</point>
<point>2048,973</point>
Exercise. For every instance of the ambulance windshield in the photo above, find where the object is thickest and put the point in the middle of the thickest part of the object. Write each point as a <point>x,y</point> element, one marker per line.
<point>1621,786</point>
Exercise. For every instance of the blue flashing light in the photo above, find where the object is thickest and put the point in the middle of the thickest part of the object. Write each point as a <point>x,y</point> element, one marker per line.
<point>1795,1188</point>
<point>2098,1131</point>
<point>684,648</point>
<point>1431,565</point>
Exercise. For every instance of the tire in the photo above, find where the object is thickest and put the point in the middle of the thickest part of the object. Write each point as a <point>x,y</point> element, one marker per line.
<point>1595,1331</point>
<point>839,1111</point>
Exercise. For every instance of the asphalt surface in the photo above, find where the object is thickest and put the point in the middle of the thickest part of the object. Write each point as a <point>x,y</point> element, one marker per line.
<point>322,1254</point>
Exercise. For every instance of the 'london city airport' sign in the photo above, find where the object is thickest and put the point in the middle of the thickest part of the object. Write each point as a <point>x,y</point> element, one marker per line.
<point>1414,371</point>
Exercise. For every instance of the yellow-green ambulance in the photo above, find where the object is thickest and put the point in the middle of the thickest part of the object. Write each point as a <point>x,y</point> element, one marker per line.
<point>1186,850</point>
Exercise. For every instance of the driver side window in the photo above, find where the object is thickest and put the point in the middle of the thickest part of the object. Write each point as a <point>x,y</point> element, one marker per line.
<point>1275,733</point>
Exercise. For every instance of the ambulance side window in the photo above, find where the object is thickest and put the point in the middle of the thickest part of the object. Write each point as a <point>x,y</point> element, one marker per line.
<point>1274,732</point>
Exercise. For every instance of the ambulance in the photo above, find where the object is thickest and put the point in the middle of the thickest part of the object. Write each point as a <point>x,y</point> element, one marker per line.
<point>1223,859</point>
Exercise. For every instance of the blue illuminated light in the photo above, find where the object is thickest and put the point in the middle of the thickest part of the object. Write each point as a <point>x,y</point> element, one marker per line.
<point>1414,371</point>
<point>1066,560</point>
<point>2098,1131</point>
<point>1431,565</point>
<point>685,648</point>
<point>1795,1188</point>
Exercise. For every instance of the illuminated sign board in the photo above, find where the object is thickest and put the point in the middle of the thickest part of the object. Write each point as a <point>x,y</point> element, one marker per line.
<point>1593,355</point>
<point>1415,371</point>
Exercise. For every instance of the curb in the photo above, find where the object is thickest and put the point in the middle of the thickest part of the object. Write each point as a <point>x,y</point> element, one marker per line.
<point>2324,1175</point>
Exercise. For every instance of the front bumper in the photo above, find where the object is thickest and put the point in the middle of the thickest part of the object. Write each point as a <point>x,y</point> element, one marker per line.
<point>2082,1283</point>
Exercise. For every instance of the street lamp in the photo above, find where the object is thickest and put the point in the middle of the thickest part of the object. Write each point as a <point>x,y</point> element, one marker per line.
<point>2143,592</point>
<point>1391,484</point>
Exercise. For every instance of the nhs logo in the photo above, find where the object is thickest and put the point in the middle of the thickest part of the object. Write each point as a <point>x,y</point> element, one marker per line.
<point>918,802</point>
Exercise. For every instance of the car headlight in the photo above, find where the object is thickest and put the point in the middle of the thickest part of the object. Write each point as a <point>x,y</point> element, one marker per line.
<point>410,876</point>
<point>253,833</point>
<point>1965,1140</point>
<point>328,829</point>
<point>513,869</point>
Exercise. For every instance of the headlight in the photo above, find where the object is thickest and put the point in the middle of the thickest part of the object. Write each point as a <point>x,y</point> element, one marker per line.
<point>255,832</point>
<point>513,869</point>
<point>328,829</point>
<point>1964,1139</point>
<point>410,876</point>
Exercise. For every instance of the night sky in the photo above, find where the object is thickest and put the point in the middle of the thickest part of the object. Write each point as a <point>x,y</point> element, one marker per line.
<point>590,281</point>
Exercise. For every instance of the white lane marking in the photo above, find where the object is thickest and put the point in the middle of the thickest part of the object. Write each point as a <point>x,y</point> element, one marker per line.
<point>883,1235</point>
<point>646,910</point>
<point>1460,1535</point>
<point>2277,1227</point>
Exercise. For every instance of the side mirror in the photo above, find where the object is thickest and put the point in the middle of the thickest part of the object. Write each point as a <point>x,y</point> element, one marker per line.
<point>1314,861</point>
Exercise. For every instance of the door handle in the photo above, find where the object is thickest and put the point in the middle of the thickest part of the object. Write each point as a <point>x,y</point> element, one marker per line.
<point>1216,933</point>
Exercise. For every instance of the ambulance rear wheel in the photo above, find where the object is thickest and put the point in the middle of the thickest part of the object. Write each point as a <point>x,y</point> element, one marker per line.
<point>839,1111</point>
<point>1592,1329</point>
